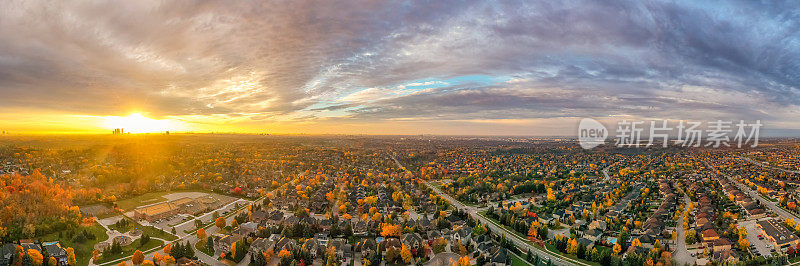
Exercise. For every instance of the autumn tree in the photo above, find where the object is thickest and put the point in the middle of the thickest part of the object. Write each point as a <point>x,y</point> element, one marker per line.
<point>743,244</point>
<point>201,234</point>
<point>463,261</point>
<point>167,259</point>
<point>617,248</point>
<point>36,257</point>
<point>405,253</point>
<point>532,231</point>
<point>220,222</point>
<point>71,257</point>
<point>389,230</point>
<point>138,257</point>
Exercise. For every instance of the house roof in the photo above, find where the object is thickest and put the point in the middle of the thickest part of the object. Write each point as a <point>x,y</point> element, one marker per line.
<point>710,233</point>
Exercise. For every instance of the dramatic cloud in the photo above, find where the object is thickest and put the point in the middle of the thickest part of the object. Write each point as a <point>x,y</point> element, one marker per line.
<point>369,62</point>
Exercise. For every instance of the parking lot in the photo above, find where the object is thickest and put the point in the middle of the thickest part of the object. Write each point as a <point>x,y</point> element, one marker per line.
<point>760,246</point>
<point>183,222</point>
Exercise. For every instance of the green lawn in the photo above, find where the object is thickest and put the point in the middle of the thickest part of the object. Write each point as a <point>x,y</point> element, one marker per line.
<point>130,249</point>
<point>123,229</point>
<point>202,248</point>
<point>149,230</point>
<point>517,261</point>
<point>483,214</point>
<point>144,199</point>
<point>553,249</point>
<point>155,232</point>
<point>108,215</point>
<point>83,251</point>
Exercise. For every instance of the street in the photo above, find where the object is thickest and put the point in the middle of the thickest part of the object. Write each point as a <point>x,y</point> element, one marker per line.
<point>521,243</point>
<point>682,255</point>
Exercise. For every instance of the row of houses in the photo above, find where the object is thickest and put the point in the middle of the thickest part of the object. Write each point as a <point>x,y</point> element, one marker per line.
<point>52,249</point>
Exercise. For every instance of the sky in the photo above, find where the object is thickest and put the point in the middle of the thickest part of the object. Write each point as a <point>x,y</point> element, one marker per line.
<point>395,67</point>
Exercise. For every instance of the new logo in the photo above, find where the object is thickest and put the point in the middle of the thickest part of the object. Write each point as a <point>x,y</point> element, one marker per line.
<point>591,133</point>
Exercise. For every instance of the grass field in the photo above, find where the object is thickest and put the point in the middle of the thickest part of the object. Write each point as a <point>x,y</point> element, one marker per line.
<point>553,249</point>
<point>149,230</point>
<point>517,261</point>
<point>130,249</point>
<point>144,199</point>
<point>155,232</point>
<point>83,251</point>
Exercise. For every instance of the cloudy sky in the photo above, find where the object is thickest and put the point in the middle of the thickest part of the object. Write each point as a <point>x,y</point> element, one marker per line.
<point>396,67</point>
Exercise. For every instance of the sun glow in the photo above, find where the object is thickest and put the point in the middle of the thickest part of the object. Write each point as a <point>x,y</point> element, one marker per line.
<point>138,123</point>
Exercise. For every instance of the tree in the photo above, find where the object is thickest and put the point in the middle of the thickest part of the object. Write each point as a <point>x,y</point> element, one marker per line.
<point>617,248</point>
<point>138,257</point>
<point>210,245</point>
<point>463,261</point>
<point>201,234</point>
<point>284,254</point>
<point>532,231</point>
<point>389,230</point>
<point>148,263</point>
<point>36,257</point>
<point>405,253</point>
<point>52,261</point>
<point>167,248</point>
<point>71,257</point>
<point>220,222</point>
<point>438,245</point>
<point>744,244</point>
<point>331,260</point>
<point>691,237</point>
<point>572,246</point>
<point>168,259</point>
<point>392,254</point>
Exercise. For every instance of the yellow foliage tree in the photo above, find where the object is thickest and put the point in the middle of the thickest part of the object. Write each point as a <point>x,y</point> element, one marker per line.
<point>463,261</point>
<point>36,257</point>
<point>138,257</point>
<point>617,248</point>
<point>405,253</point>
<point>71,257</point>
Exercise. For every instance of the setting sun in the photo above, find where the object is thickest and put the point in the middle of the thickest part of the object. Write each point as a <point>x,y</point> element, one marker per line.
<point>138,123</point>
